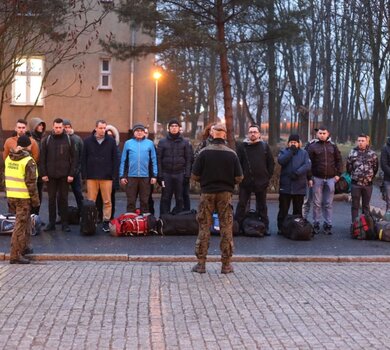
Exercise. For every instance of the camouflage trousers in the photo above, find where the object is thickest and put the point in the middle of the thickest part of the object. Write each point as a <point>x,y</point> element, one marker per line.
<point>20,239</point>
<point>221,203</point>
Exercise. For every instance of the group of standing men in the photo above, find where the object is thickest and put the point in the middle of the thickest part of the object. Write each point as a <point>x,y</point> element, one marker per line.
<point>61,158</point>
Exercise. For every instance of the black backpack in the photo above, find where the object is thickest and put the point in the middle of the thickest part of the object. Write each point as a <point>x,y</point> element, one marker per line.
<point>73,215</point>
<point>297,228</point>
<point>252,226</point>
<point>89,215</point>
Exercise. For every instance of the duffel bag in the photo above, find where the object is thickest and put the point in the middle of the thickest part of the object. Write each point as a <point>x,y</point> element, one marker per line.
<point>183,223</point>
<point>133,224</point>
<point>296,228</point>
<point>7,223</point>
<point>73,215</point>
<point>88,221</point>
<point>252,226</point>
<point>363,228</point>
<point>383,229</point>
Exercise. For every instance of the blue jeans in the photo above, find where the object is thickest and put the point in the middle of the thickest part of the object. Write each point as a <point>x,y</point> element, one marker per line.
<point>307,202</point>
<point>323,193</point>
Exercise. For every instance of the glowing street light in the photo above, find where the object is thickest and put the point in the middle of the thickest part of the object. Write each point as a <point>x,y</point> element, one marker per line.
<point>156,76</point>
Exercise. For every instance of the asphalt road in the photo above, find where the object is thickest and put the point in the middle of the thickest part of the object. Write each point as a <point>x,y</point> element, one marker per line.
<point>72,242</point>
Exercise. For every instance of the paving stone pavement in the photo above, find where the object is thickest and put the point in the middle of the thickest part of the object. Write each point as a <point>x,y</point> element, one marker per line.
<point>116,305</point>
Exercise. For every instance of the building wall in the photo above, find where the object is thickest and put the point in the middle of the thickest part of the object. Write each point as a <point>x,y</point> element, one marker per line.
<point>83,103</point>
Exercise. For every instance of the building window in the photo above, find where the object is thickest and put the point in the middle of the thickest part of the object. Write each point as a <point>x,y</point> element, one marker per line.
<point>105,74</point>
<point>27,84</point>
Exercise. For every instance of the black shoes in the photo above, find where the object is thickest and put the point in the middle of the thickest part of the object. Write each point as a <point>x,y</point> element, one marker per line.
<point>316,228</point>
<point>327,229</point>
<point>49,227</point>
<point>106,226</point>
<point>20,260</point>
<point>65,228</point>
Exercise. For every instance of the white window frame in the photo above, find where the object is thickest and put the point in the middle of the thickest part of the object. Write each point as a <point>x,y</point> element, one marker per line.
<point>29,101</point>
<point>105,73</point>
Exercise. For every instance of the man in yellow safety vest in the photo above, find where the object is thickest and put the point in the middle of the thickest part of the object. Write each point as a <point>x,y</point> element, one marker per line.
<point>22,193</point>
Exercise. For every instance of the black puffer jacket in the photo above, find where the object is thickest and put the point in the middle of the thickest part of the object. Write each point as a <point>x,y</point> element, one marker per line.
<point>326,161</point>
<point>257,164</point>
<point>174,155</point>
<point>385,160</point>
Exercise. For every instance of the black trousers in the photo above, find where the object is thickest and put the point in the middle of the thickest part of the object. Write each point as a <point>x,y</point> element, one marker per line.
<point>363,192</point>
<point>57,189</point>
<point>261,205</point>
<point>174,184</point>
<point>284,206</point>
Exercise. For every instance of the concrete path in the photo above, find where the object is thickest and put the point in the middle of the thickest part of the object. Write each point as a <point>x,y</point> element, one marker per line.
<point>115,305</point>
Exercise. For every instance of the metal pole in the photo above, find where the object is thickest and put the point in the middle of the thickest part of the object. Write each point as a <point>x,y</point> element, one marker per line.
<point>155,109</point>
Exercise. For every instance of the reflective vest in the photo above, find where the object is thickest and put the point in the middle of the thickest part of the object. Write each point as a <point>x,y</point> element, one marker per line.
<point>15,172</point>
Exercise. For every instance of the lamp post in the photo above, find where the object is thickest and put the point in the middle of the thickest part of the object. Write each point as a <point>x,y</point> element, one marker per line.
<point>156,76</point>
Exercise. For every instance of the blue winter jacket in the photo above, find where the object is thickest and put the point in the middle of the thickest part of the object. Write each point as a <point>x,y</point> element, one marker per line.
<point>294,169</point>
<point>136,156</point>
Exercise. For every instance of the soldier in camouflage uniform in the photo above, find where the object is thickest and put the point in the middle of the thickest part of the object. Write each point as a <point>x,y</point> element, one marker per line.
<point>218,169</point>
<point>22,193</point>
<point>362,165</point>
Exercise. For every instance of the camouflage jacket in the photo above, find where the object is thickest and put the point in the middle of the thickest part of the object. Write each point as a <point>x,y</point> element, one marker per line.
<point>362,165</point>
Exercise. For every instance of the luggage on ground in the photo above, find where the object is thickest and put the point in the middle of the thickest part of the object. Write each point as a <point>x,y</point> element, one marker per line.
<point>89,215</point>
<point>183,223</point>
<point>363,227</point>
<point>296,228</point>
<point>73,215</point>
<point>7,223</point>
<point>252,226</point>
<point>133,224</point>
<point>36,225</point>
<point>344,184</point>
<point>215,228</point>
<point>383,229</point>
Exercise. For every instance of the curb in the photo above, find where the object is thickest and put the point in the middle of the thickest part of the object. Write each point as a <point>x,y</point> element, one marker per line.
<point>211,258</point>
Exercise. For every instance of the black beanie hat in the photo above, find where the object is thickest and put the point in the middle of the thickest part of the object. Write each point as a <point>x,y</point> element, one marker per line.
<point>23,141</point>
<point>173,121</point>
<point>293,137</point>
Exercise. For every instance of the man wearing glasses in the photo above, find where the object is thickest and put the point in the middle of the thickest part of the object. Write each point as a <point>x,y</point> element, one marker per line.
<point>258,164</point>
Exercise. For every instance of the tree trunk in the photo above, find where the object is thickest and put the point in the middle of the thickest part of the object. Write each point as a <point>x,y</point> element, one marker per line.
<point>226,86</point>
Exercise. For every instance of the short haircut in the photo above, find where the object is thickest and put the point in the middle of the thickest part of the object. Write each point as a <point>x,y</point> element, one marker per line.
<point>21,121</point>
<point>58,121</point>
<point>100,121</point>
<point>255,126</point>
<point>363,135</point>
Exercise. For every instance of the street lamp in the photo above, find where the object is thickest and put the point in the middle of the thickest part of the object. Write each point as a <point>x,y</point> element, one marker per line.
<point>156,76</point>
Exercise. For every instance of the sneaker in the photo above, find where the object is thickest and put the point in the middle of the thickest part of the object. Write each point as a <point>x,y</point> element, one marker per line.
<point>105,226</point>
<point>227,268</point>
<point>316,228</point>
<point>199,268</point>
<point>327,229</point>
<point>65,228</point>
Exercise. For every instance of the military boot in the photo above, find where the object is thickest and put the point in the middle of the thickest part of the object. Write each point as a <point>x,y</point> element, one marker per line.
<point>227,268</point>
<point>200,267</point>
